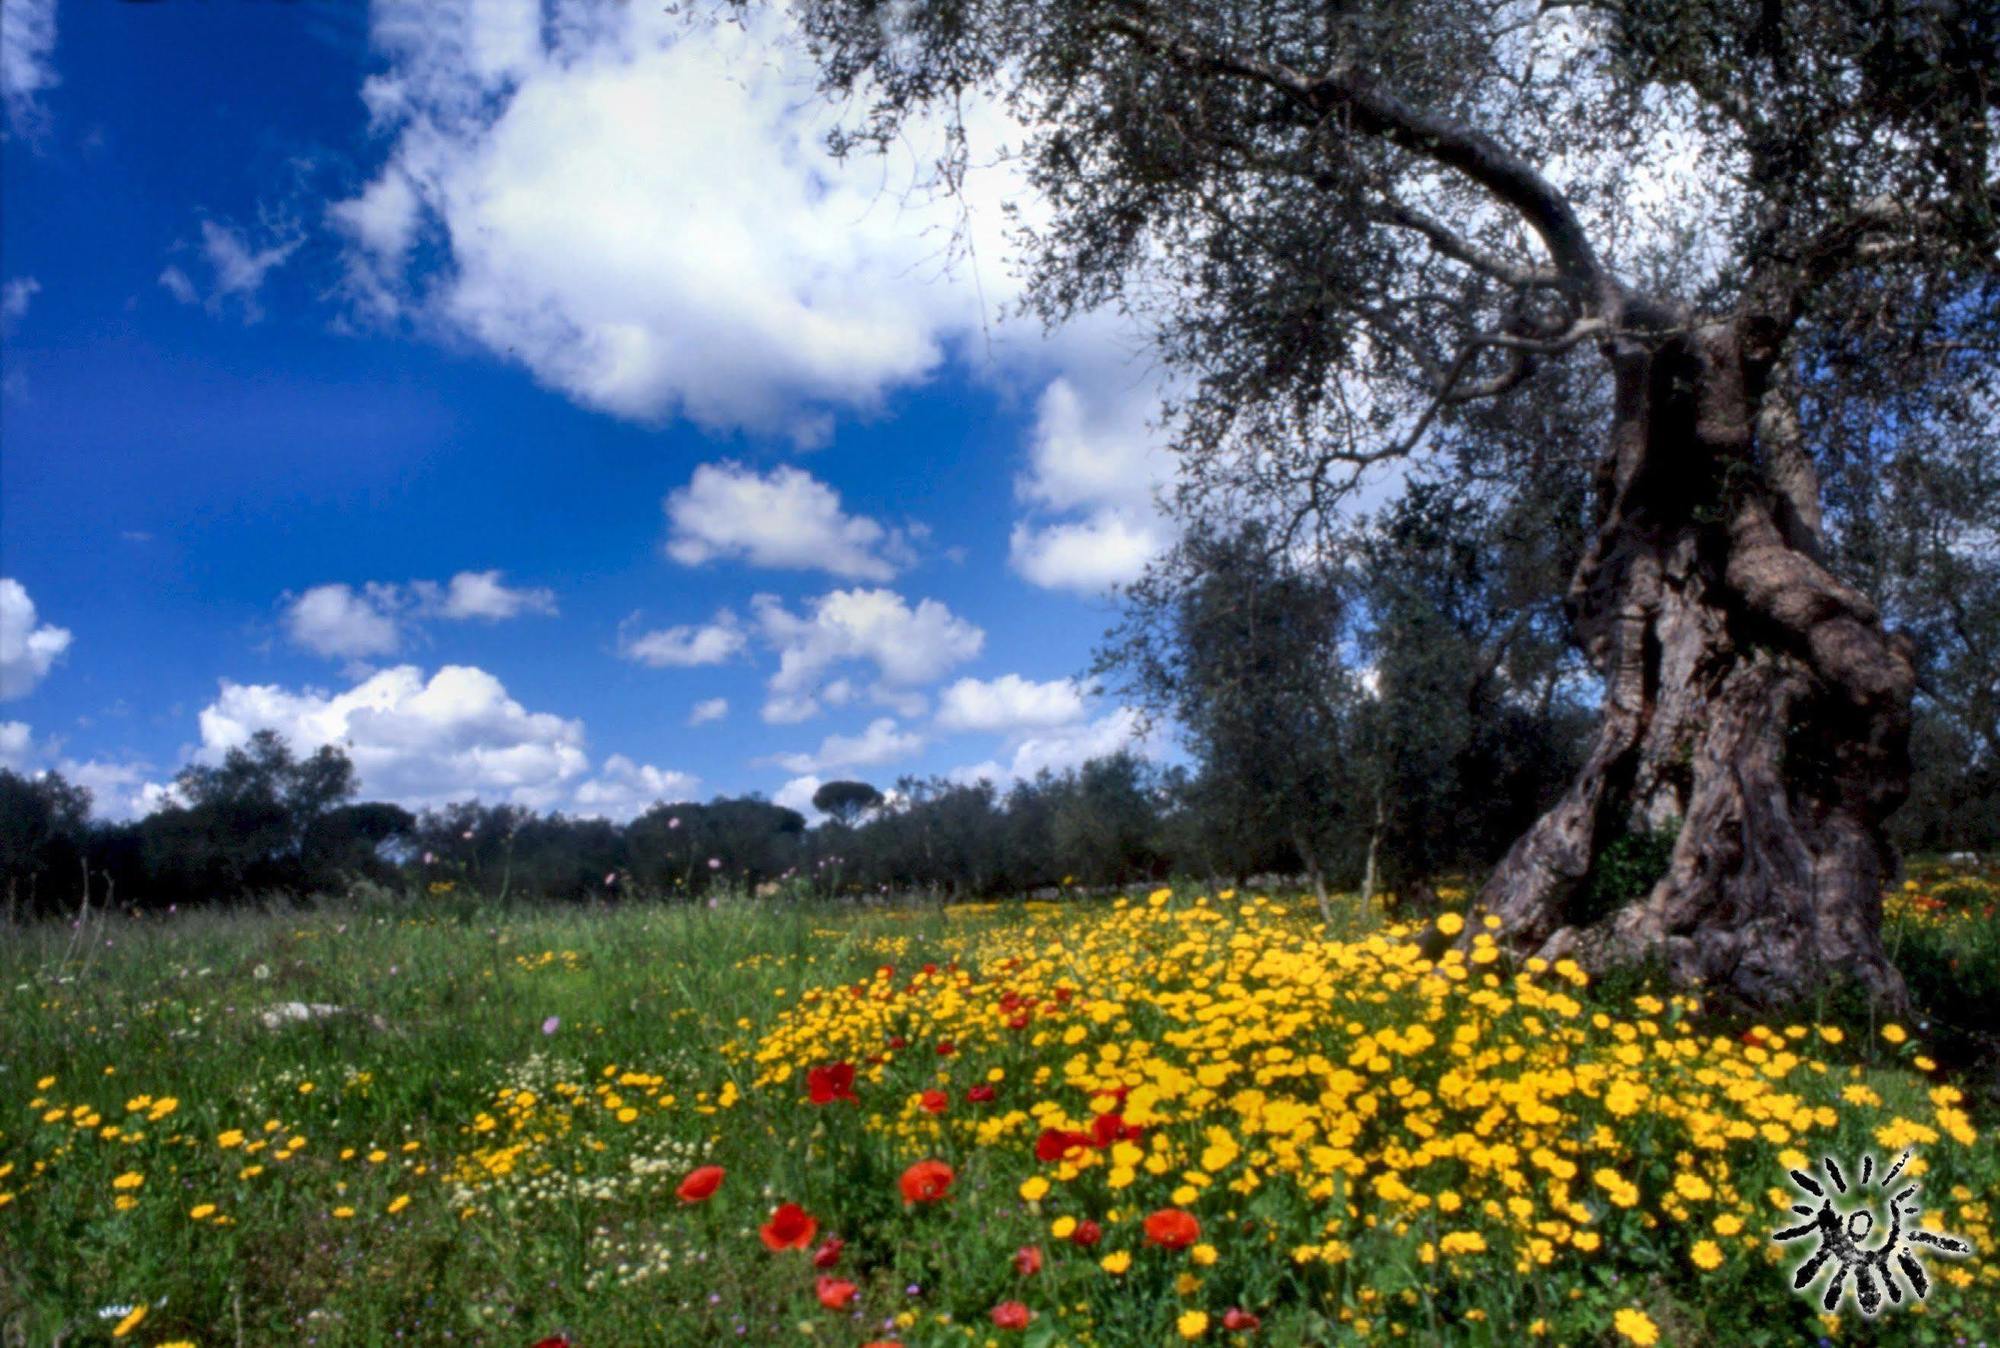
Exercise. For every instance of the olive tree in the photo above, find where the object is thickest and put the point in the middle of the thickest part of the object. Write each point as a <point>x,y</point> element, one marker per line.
<point>1347,223</point>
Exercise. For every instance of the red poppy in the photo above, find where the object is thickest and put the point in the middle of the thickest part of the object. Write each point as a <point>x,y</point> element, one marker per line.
<point>934,1102</point>
<point>828,1254</point>
<point>834,1293</point>
<point>883,1343</point>
<point>553,1341</point>
<point>1028,1260</point>
<point>1019,1022</point>
<point>1056,1143</point>
<point>1173,1229</point>
<point>833,1082</point>
<point>1087,1233</point>
<point>946,1048</point>
<point>981,1095</point>
<point>1064,994</point>
<point>701,1184</point>
<point>930,968</point>
<point>1239,1321</point>
<point>1108,1128</point>
<point>1011,1315</point>
<point>897,1041</point>
<point>791,1228</point>
<point>927,1182</point>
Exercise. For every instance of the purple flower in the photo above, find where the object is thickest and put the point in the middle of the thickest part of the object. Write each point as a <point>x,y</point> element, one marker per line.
<point>715,863</point>
<point>551,1025</point>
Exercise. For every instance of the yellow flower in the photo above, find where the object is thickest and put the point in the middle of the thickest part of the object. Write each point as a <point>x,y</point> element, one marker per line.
<point>1728,1224</point>
<point>129,1323</point>
<point>131,1179</point>
<point>1192,1324</point>
<point>1636,1326</point>
<point>1450,924</point>
<point>343,1213</point>
<point>1116,1262</point>
<point>1894,1033</point>
<point>231,1138</point>
<point>398,1203</point>
<point>1034,1188</point>
<point>1203,1255</point>
<point>1061,1227</point>
<point>202,1211</point>
<point>1706,1255</point>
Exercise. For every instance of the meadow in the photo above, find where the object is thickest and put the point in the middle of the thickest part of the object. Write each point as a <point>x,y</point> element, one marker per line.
<point>1181,1117</point>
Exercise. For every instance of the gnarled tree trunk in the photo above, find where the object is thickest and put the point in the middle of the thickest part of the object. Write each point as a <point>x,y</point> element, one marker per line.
<point>1750,697</point>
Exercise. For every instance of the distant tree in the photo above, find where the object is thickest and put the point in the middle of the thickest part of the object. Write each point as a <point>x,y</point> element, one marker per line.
<point>845,802</point>
<point>1232,640</point>
<point>351,840</point>
<point>44,824</point>
<point>1104,821</point>
<point>245,822</point>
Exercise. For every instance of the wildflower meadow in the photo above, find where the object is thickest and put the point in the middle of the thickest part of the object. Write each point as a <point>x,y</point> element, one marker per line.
<point>1176,1117</point>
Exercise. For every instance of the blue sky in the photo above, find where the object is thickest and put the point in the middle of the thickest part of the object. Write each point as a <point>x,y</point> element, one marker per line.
<point>500,390</point>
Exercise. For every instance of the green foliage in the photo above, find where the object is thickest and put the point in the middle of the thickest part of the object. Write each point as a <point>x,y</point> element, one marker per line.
<point>1625,869</point>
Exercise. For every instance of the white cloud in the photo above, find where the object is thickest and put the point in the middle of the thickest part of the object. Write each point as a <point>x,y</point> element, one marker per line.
<point>1069,746</point>
<point>881,742</point>
<point>17,746</point>
<point>237,267</point>
<point>178,285</point>
<point>623,789</point>
<point>27,651</point>
<point>708,709</point>
<point>736,276</point>
<point>15,296</point>
<point>787,520</point>
<point>1009,704</point>
<point>480,594</point>
<point>343,623</point>
<point>797,794</point>
<point>117,790</point>
<point>712,643</point>
<point>1094,466</point>
<point>416,741</point>
<point>908,647</point>
<point>27,40</point>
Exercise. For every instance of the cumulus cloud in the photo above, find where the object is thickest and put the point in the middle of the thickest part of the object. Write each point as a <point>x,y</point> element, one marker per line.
<point>28,650</point>
<point>481,594</point>
<point>1009,704</point>
<point>623,789</point>
<point>711,643</point>
<point>15,296</point>
<point>1094,467</point>
<point>797,794</point>
<point>1062,747</point>
<point>27,42</point>
<point>117,790</point>
<point>343,622</point>
<point>907,646</point>
<point>881,742</point>
<point>413,740</point>
<point>785,520</point>
<point>708,709</point>
<point>17,746</point>
<point>737,277</point>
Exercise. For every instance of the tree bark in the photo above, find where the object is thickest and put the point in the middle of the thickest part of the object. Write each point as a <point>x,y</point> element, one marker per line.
<point>1751,698</point>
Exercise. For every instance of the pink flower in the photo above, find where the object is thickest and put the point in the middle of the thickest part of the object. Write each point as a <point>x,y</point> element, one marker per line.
<point>551,1025</point>
<point>675,822</point>
<point>715,863</point>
